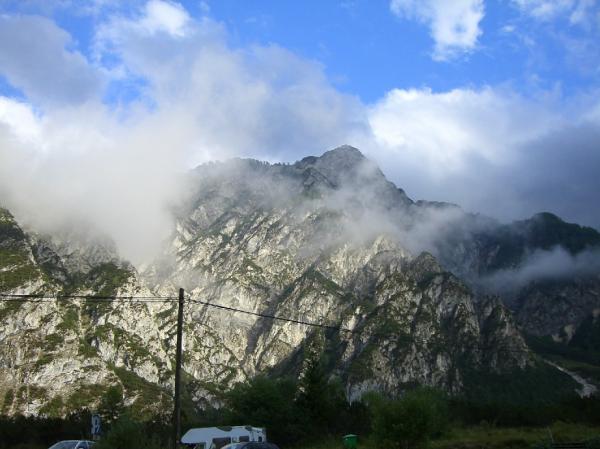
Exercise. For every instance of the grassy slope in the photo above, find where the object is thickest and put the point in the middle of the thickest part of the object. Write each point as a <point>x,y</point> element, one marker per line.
<point>584,362</point>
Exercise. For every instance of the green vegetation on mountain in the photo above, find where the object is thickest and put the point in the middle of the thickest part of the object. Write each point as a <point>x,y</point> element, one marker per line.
<point>9,308</point>
<point>546,230</point>
<point>587,335</point>
<point>574,357</point>
<point>104,279</point>
<point>539,384</point>
<point>149,399</point>
<point>509,244</point>
<point>16,266</point>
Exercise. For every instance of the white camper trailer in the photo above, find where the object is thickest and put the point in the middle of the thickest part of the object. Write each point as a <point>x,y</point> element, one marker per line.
<point>217,437</point>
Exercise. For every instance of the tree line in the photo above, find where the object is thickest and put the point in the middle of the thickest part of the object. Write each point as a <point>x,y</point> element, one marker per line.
<point>300,412</point>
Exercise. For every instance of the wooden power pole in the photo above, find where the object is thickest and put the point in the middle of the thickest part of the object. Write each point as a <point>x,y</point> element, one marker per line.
<point>177,411</point>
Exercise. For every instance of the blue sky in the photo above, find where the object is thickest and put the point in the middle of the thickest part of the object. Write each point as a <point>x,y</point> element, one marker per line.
<point>367,47</point>
<point>490,104</point>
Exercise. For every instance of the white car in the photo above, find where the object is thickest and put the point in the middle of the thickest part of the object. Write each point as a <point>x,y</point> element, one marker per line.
<point>73,444</point>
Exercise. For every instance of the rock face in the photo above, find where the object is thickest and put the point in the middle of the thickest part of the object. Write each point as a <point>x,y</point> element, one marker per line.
<point>325,240</point>
<point>558,309</point>
<point>58,356</point>
<point>319,241</point>
<point>546,270</point>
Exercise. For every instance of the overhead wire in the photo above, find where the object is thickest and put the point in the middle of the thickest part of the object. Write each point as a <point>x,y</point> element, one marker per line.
<point>339,328</point>
<point>121,300</point>
<point>273,317</point>
<point>57,297</point>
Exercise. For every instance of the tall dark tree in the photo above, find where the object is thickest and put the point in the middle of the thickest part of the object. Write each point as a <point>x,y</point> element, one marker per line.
<point>112,404</point>
<point>267,403</point>
<point>321,400</point>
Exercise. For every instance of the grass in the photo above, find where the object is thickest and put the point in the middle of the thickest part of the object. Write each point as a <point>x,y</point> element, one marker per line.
<point>70,319</point>
<point>587,370</point>
<point>484,436</point>
<point>85,396</point>
<point>149,397</point>
<point>53,408</point>
<point>9,397</point>
<point>18,275</point>
<point>584,362</point>
<point>9,308</point>
<point>52,342</point>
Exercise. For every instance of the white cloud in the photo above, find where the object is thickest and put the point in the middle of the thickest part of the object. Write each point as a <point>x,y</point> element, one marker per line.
<point>454,25</point>
<point>554,264</point>
<point>84,168</point>
<point>276,102</point>
<point>544,9</point>
<point>443,131</point>
<point>19,120</point>
<point>490,150</point>
<point>119,169</point>
<point>165,16</point>
<point>578,12</point>
<point>34,58</point>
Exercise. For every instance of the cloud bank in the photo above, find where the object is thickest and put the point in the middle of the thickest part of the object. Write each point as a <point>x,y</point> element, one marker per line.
<point>67,156</point>
<point>104,136</point>
<point>556,264</point>
<point>491,150</point>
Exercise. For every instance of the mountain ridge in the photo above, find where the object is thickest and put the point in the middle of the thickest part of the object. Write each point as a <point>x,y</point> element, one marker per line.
<point>322,240</point>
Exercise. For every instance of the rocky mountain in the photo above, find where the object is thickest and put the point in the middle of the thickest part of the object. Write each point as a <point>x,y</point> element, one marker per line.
<point>324,240</point>
<point>545,269</point>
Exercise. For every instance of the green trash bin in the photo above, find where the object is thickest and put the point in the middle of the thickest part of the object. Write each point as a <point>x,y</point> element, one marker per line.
<point>350,441</point>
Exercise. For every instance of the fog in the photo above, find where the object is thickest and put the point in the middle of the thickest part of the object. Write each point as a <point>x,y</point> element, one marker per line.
<point>104,139</point>
<point>117,168</point>
<point>555,265</point>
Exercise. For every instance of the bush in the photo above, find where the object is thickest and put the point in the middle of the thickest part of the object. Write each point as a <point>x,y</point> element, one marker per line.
<point>411,421</point>
<point>266,403</point>
<point>127,434</point>
<point>593,443</point>
<point>295,412</point>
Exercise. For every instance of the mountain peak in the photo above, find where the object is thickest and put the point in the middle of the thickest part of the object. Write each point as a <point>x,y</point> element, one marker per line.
<point>334,167</point>
<point>342,158</point>
<point>346,165</point>
<point>347,151</point>
<point>338,162</point>
<point>547,217</point>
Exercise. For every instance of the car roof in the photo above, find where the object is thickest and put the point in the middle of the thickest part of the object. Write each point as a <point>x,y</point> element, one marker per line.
<point>73,442</point>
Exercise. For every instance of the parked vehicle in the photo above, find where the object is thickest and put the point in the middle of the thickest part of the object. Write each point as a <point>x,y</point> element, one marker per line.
<point>73,444</point>
<point>217,437</point>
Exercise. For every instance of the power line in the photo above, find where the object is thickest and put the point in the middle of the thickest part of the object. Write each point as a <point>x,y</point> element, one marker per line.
<point>339,328</point>
<point>273,317</point>
<point>121,300</point>
<point>47,297</point>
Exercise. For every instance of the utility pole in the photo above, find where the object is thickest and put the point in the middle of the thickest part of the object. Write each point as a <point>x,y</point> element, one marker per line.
<point>177,411</point>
